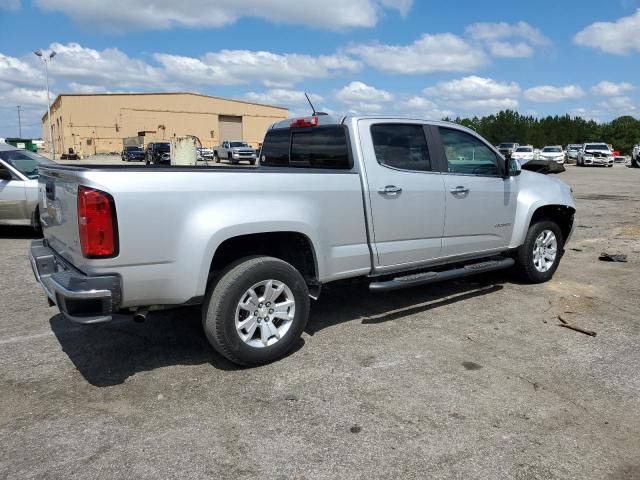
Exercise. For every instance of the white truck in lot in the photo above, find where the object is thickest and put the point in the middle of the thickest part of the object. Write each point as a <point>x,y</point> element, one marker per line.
<point>635,156</point>
<point>234,151</point>
<point>398,202</point>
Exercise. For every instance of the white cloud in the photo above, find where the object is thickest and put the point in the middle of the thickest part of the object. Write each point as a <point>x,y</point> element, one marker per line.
<point>610,89</point>
<point>23,96</point>
<point>105,68</point>
<point>19,72</point>
<point>508,41</point>
<point>619,37</point>
<point>11,5</point>
<point>420,107</point>
<point>550,94</point>
<point>475,94</point>
<point>361,98</point>
<point>294,100</point>
<point>229,67</point>
<point>473,87</point>
<point>497,31</point>
<point>163,14</point>
<point>510,50</point>
<point>443,52</point>
<point>618,106</point>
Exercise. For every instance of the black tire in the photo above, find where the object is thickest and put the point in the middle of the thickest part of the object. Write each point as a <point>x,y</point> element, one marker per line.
<point>216,158</point>
<point>635,163</point>
<point>525,267</point>
<point>219,309</point>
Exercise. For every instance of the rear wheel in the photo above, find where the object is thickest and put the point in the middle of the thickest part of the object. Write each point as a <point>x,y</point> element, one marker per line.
<point>540,255</point>
<point>635,163</point>
<point>256,311</point>
<point>216,158</point>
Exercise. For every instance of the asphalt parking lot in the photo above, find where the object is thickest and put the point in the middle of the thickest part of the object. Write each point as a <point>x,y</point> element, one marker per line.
<point>470,379</point>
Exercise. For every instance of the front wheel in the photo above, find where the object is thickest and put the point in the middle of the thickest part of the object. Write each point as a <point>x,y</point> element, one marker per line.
<point>635,163</point>
<point>539,256</point>
<point>256,310</point>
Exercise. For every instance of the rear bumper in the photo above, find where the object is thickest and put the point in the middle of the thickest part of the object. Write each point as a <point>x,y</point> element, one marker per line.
<point>80,298</point>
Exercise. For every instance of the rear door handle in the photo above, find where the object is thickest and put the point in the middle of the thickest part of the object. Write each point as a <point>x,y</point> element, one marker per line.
<point>459,190</point>
<point>390,190</point>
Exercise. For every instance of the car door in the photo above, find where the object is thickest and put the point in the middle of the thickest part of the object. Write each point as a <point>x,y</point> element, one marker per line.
<point>405,192</point>
<point>480,201</point>
<point>13,197</point>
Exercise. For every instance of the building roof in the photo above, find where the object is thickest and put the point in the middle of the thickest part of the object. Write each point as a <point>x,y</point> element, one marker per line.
<point>160,93</point>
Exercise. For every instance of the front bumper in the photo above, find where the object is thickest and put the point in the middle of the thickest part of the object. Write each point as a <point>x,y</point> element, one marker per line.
<point>80,298</point>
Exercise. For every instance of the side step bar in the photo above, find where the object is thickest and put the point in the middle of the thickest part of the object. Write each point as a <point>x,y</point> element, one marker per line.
<point>432,277</point>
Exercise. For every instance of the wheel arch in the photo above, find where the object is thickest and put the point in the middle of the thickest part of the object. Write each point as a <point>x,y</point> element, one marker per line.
<point>292,247</point>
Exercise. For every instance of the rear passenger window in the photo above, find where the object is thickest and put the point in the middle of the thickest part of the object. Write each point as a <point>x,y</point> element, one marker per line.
<point>317,147</point>
<point>275,150</point>
<point>320,147</point>
<point>401,146</point>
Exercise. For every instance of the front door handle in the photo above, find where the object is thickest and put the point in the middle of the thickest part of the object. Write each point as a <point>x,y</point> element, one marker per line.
<point>390,190</point>
<point>459,190</point>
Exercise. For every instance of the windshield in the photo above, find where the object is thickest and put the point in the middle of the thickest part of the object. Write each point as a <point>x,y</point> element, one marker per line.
<point>552,149</point>
<point>238,145</point>
<point>596,146</point>
<point>575,147</point>
<point>507,145</point>
<point>24,161</point>
<point>162,147</point>
<point>134,149</point>
<point>524,149</point>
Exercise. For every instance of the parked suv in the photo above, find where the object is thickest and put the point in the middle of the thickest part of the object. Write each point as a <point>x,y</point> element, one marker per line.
<point>396,202</point>
<point>157,153</point>
<point>595,154</point>
<point>507,148</point>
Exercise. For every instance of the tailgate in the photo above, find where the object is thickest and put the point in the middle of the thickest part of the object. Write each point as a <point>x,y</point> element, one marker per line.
<point>58,199</point>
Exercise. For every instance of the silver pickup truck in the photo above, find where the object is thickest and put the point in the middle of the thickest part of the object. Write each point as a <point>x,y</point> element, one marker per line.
<point>234,152</point>
<point>399,202</point>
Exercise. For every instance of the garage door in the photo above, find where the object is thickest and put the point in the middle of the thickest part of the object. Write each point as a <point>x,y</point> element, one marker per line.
<point>230,128</point>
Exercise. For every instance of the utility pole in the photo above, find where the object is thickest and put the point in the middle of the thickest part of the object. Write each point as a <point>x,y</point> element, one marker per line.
<point>19,123</point>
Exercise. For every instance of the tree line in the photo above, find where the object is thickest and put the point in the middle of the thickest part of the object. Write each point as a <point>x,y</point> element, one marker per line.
<point>510,126</point>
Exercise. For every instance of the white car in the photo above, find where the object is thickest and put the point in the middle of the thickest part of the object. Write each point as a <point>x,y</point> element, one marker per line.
<point>595,154</point>
<point>572,151</point>
<point>554,153</point>
<point>523,154</point>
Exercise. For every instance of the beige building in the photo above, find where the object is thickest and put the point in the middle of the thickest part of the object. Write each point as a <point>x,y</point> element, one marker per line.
<point>98,123</point>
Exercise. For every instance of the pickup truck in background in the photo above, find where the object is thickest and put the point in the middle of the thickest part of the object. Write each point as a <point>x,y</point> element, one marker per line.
<point>397,202</point>
<point>234,152</point>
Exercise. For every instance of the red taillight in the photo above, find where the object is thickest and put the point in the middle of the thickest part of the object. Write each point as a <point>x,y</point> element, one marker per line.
<point>97,223</point>
<point>305,122</point>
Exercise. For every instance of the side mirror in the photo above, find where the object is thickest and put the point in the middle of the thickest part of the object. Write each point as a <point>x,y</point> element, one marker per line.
<point>513,167</point>
<point>5,174</point>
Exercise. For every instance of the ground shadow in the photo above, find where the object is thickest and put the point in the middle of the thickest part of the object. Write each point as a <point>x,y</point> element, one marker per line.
<point>19,232</point>
<point>107,354</point>
<point>347,301</point>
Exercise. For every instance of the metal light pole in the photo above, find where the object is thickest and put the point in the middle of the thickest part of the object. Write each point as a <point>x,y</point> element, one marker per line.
<point>46,60</point>
<point>19,123</point>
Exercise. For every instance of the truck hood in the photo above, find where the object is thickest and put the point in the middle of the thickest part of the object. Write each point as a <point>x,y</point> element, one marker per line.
<point>546,183</point>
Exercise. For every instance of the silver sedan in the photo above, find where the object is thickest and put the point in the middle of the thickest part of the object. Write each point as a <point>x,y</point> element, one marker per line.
<point>19,186</point>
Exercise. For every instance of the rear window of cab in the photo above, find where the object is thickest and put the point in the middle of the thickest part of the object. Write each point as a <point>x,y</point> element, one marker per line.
<point>316,147</point>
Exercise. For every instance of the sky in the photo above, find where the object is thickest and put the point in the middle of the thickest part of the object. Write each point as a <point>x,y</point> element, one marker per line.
<point>417,58</point>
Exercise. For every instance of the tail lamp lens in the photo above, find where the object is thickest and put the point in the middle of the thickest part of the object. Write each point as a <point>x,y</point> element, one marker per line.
<point>97,223</point>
